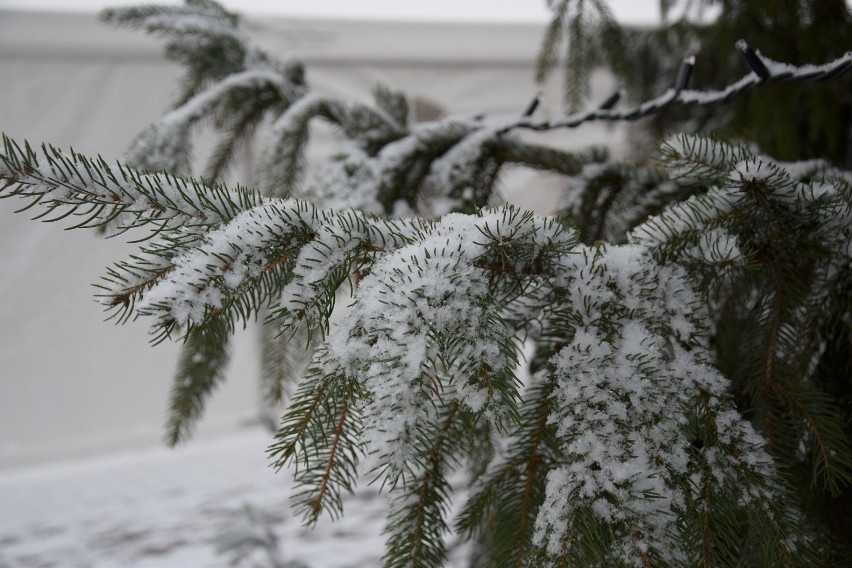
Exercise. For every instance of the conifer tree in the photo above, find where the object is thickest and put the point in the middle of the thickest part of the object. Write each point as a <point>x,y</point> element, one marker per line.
<point>691,323</point>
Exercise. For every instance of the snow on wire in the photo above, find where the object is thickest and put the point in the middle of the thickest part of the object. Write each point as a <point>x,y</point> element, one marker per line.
<point>764,72</point>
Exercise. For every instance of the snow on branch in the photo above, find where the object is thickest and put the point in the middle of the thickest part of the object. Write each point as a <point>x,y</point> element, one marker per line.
<point>635,424</point>
<point>165,145</point>
<point>172,19</point>
<point>625,383</point>
<point>424,345</point>
<point>281,162</point>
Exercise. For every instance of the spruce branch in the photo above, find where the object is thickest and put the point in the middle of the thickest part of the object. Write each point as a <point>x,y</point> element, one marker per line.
<point>417,519</point>
<point>201,35</point>
<point>201,367</point>
<point>284,359</point>
<point>72,184</point>
<point>607,199</point>
<point>548,55</point>
<point>508,150</point>
<point>137,16</point>
<point>405,163</point>
<point>370,128</point>
<point>608,312</point>
<point>463,177</point>
<point>579,59</point>
<point>239,116</point>
<point>627,447</point>
<point>165,144</point>
<point>766,213</point>
<point>701,158</point>
<point>234,271</point>
<point>640,514</point>
<point>320,435</point>
<point>281,162</point>
<point>506,498</point>
<point>590,35</point>
<point>393,104</point>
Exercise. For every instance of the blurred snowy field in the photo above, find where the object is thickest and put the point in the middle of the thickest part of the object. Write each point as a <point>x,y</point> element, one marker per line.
<point>166,508</point>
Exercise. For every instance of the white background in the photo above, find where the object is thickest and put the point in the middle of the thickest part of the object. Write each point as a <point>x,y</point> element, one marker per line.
<point>628,11</point>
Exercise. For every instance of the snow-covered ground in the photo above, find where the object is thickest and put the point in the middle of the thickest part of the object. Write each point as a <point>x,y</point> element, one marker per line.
<point>170,508</point>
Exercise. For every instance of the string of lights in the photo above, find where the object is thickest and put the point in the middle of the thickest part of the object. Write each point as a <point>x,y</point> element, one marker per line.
<point>764,71</point>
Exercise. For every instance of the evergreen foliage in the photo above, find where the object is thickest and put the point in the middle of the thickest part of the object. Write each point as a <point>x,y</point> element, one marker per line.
<point>590,36</point>
<point>691,323</point>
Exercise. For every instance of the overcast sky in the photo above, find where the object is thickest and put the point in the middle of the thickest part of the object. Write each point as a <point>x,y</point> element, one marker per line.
<point>628,11</point>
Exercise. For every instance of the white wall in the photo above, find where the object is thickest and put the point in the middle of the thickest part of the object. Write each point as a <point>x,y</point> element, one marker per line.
<point>72,385</point>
